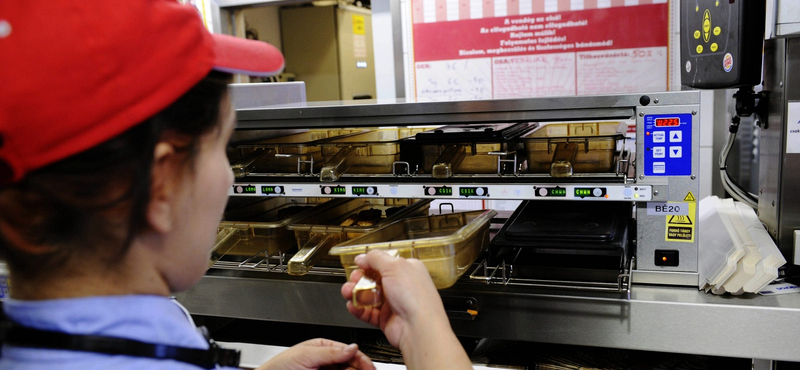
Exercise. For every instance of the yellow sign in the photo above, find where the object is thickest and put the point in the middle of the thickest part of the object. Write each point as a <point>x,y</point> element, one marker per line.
<point>680,228</point>
<point>358,25</point>
<point>689,198</point>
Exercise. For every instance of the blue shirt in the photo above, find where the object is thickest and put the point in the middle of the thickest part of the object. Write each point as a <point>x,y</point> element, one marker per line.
<point>145,318</point>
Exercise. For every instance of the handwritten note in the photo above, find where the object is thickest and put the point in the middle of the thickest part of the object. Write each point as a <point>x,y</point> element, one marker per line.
<point>465,79</point>
<point>622,71</point>
<point>534,75</point>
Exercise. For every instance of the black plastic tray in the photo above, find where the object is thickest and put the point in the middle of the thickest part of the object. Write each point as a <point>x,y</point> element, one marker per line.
<point>568,228</point>
<point>567,221</point>
<point>474,133</point>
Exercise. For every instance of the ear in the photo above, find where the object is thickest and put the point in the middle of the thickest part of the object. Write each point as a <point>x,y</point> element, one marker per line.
<point>163,188</point>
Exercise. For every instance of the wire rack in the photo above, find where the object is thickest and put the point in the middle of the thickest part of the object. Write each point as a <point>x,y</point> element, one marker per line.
<point>482,273</point>
<point>502,275</point>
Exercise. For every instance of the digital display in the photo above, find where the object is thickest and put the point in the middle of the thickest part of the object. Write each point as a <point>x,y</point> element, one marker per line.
<point>364,190</point>
<point>558,192</point>
<point>272,189</point>
<point>471,192</point>
<point>244,189</point>
<point>336,190</point>
<point>590,192</point>
<point>435,190</point>
<point>668,122</point>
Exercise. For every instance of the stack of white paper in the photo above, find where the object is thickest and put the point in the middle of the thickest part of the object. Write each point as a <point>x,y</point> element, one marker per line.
<point>736,254</point>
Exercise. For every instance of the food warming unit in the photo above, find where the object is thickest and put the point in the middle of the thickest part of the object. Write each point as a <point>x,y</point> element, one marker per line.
<point>654,304</point>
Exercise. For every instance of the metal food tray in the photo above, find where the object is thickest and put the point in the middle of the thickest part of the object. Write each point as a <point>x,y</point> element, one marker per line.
<point>297,153</point>
<point>447,244</point>
<point>372,152</point>
<point>317,232</point>
<point>263,227</point>
<point>563,149</point>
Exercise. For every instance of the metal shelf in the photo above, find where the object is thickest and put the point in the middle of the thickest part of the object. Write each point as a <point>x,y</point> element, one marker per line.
<point>656,318</point>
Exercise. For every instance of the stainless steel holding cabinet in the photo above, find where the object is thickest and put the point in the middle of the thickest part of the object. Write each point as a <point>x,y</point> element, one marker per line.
<point>655,173</point>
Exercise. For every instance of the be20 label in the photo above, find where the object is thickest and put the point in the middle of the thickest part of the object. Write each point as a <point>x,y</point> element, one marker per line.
<point>667,209</point>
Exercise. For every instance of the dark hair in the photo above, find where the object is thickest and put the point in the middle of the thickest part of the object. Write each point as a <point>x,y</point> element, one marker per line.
<point>92,204</point>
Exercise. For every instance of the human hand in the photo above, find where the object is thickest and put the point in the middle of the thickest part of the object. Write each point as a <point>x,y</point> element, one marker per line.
<point>319,354</point>
<point>411,301</point>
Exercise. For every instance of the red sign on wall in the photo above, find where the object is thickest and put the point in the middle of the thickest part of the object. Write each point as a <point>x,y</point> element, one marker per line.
<point>555,53</point>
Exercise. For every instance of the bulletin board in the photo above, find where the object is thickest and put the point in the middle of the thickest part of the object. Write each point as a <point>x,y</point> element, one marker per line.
<point>497,49</point>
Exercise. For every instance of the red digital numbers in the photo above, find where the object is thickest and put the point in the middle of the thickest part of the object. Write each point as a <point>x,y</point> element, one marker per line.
<point>668,122</point>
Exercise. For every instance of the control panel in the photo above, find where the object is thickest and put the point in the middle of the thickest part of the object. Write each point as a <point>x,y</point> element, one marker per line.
<point>668,144</point>
<point>721,43</point>
<point>628,192</point>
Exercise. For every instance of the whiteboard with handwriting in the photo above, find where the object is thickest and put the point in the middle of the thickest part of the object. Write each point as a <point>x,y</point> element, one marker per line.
<point>465,79</point>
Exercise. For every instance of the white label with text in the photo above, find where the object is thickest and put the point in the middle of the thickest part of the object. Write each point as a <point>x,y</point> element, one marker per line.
<point>663,208</point>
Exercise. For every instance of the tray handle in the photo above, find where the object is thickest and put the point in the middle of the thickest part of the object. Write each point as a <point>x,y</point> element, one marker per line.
<point>449,161</point>
<point>311,252</point>
<point>258,157</point>
<point>339,164</point>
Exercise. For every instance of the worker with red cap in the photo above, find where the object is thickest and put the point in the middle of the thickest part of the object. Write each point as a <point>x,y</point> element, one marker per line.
<point>114,120</point>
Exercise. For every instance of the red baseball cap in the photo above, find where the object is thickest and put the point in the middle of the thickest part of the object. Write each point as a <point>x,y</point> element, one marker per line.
<point>75,73</point>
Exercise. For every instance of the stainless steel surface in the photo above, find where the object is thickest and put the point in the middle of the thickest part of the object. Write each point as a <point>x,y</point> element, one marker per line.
<point>651,229</point>
<point>666,278</point>
<point>663,319</point>
<point>255,95</point>
<point>655,318</point>
<point>363,114</point>
<point>779,171</point>
<point>787,20</point>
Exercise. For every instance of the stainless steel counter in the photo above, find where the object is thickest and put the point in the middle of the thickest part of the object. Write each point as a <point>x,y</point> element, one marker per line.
<point>663,319</point>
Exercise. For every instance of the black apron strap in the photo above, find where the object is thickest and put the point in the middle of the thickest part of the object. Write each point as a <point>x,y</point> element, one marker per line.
<point>21,336</point>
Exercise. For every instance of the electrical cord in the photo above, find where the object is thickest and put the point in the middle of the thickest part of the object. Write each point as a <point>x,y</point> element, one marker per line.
<point>736,191</point>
